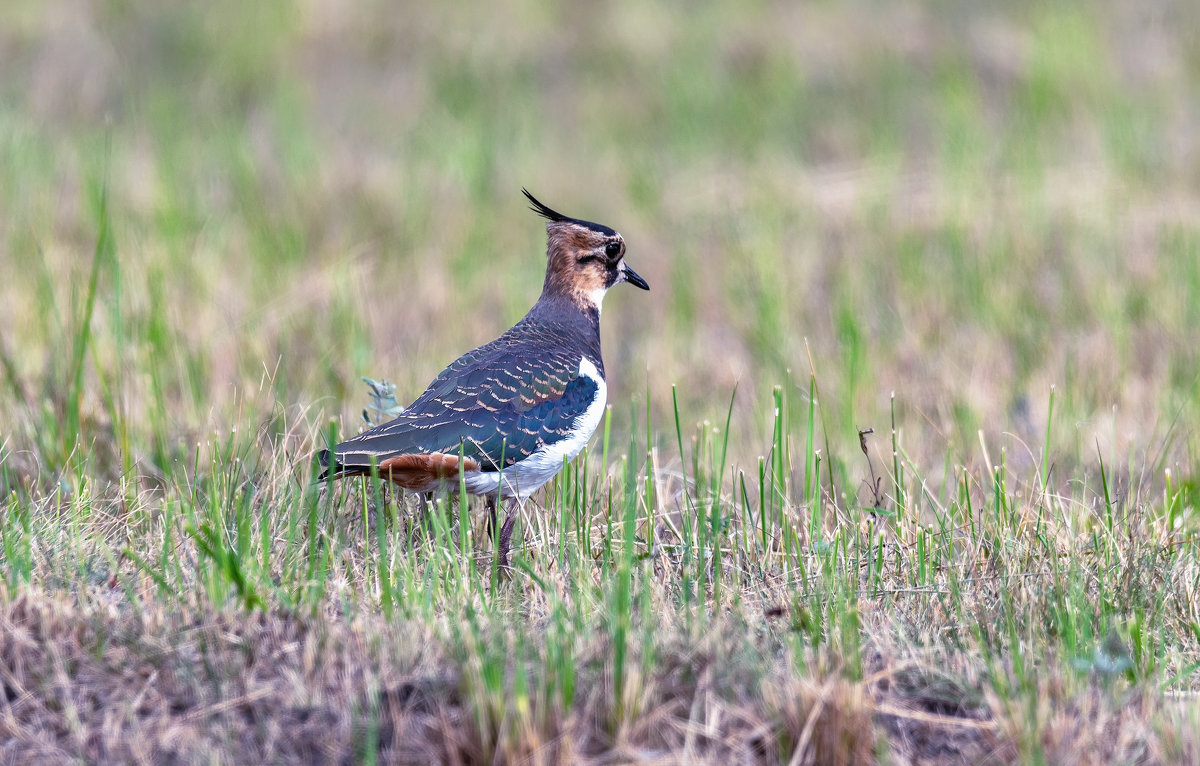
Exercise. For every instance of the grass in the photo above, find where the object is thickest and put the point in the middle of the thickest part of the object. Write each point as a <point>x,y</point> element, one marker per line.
<point>901,457</point>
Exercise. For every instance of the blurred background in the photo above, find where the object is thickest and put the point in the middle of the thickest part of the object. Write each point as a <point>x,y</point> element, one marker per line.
<point>961,203</point>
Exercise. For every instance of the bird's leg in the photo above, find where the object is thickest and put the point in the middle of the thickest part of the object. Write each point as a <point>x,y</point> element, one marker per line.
<point>510,519</point>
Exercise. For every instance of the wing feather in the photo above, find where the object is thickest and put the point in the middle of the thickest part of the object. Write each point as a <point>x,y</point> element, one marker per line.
<point>499,403</point>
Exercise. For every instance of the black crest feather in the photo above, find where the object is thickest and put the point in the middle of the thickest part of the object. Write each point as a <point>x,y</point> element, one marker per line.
<point>554,216</point>
<point>545,212</point>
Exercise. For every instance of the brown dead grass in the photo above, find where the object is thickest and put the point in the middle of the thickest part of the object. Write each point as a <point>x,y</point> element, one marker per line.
<point>110,685</point>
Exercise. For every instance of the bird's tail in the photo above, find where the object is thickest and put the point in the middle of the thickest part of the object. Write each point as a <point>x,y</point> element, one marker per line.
<point>330,468</point>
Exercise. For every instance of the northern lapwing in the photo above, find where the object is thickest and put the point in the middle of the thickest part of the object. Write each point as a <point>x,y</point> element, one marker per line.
<point>502,419</point>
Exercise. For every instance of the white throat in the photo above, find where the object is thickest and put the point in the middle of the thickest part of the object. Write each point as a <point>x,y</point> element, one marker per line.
<point>596,297</point>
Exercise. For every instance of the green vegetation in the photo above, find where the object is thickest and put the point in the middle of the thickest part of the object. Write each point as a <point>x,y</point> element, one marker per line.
<point>903,455</point>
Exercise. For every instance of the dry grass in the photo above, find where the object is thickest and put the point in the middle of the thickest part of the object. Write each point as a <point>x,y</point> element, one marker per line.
<point>160,688</point>
<point>107,685</point>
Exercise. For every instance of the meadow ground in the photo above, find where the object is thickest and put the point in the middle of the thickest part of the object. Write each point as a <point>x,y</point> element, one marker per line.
<point>903,457</point>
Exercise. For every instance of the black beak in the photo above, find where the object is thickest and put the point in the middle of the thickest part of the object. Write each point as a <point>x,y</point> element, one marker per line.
<point>632,278</point>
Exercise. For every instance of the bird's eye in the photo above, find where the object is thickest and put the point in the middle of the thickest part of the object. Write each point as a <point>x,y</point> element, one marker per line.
<point>613,249</point>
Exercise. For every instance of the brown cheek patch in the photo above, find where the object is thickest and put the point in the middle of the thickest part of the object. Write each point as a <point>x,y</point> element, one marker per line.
<point>564,275</point>
<point>565,244</point>
<point>417,472</point>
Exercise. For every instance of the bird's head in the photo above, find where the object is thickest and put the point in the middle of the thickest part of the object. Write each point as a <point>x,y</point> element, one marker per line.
<point>584,258</point>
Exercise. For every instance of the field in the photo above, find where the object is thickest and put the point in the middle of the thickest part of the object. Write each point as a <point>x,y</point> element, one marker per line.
<point>902,462</point>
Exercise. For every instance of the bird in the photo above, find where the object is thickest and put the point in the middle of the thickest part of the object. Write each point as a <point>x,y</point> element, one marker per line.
<point>502,419</point>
